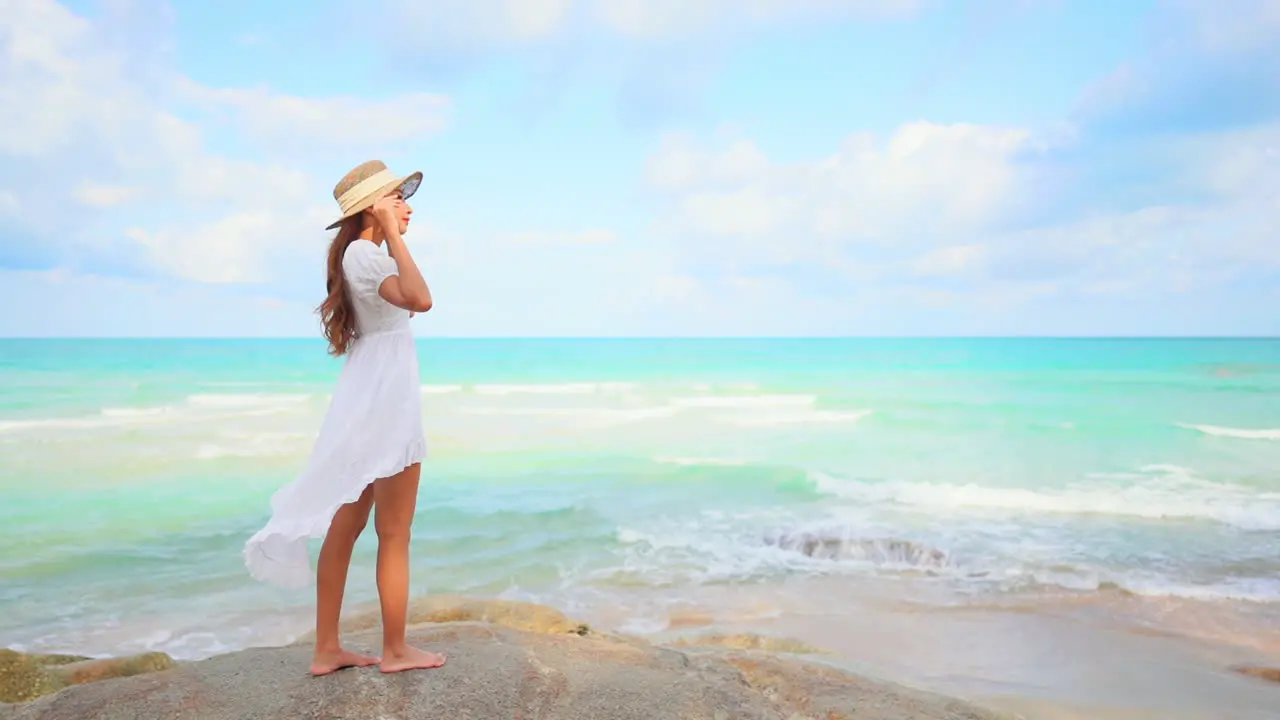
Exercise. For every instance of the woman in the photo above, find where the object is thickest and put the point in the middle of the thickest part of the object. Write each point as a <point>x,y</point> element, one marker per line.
<point>371,444</point>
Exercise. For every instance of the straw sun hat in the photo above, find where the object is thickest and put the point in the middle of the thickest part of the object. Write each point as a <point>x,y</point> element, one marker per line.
<point>359,189</point>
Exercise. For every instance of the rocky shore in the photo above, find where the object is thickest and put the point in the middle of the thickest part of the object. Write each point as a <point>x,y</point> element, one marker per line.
<point>506,660</point>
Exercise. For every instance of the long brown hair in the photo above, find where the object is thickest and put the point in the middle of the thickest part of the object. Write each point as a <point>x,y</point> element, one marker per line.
<point>336,312</point>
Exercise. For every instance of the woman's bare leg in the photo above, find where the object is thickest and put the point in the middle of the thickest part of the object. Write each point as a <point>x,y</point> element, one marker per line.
<point>396,500</point>
<point>331,583</point>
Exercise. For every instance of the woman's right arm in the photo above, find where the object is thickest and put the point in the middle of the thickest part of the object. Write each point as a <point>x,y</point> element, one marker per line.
<point>408,289</point>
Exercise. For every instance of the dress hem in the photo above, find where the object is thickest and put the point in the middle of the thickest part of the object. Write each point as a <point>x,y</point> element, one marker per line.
<point>261,566</point>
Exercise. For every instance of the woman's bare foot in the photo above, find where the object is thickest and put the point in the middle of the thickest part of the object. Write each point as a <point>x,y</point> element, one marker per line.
<point>411,658</point>
<point>326,662</point>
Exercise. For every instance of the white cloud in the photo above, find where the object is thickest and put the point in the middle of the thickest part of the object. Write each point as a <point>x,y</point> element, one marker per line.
<point>102,196</point>
<point>482,22</point>
<point>461,26</point>
<point>665,18</point>
<point>939,204</point>
<point>1116,89</point>
<point>1232,230</point>
<point>45,81</point>
<point>594,236</point>
<point>335,121</point>
<point>679,164</point>
<point>91,119</point>
<point>203,254</point>
<point>8,204</point>
<point>925,182</point>
<point>544,285</point>
<point>86,305</point>
<point>1231,27</point>
<point>236,248</point>
<point>949,260</point>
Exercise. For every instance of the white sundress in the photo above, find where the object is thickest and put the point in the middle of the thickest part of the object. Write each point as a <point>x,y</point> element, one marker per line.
<point>372,429</point>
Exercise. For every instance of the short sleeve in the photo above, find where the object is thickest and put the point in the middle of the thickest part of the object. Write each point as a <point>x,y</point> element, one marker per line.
<point>366,265</point>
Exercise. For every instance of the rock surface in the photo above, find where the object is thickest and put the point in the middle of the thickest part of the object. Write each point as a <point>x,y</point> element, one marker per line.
<point>455,608</point>
<point>747,641</point>
<point>496,672</point>
<point>26,677</point>
<point>23,677</point>
<point>1271,674</point>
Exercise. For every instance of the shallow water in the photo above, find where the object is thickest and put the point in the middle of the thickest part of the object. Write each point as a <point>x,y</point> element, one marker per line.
<point>626,475</point>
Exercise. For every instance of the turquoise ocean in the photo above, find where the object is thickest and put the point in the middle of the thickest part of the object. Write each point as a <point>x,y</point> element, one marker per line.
<point>619,479</point>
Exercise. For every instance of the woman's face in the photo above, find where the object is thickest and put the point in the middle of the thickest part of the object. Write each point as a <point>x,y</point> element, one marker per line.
<point>403,211</point>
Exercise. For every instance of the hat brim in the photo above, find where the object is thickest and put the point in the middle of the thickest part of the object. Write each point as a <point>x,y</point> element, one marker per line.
<point>407,185</point>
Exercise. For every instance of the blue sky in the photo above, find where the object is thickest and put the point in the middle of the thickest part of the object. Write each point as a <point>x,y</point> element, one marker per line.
<point>619,167</point>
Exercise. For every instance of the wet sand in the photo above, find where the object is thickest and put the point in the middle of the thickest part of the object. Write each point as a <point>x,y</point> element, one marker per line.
<point>1094,657</point>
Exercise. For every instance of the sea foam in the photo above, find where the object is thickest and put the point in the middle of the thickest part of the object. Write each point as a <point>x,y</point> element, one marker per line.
<point>1244,434</point>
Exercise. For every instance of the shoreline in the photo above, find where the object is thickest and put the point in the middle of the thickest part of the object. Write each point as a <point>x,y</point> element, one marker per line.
<point>1015,664</point>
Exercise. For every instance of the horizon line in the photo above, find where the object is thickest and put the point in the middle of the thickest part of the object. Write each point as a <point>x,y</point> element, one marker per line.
<point>658,337</point>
